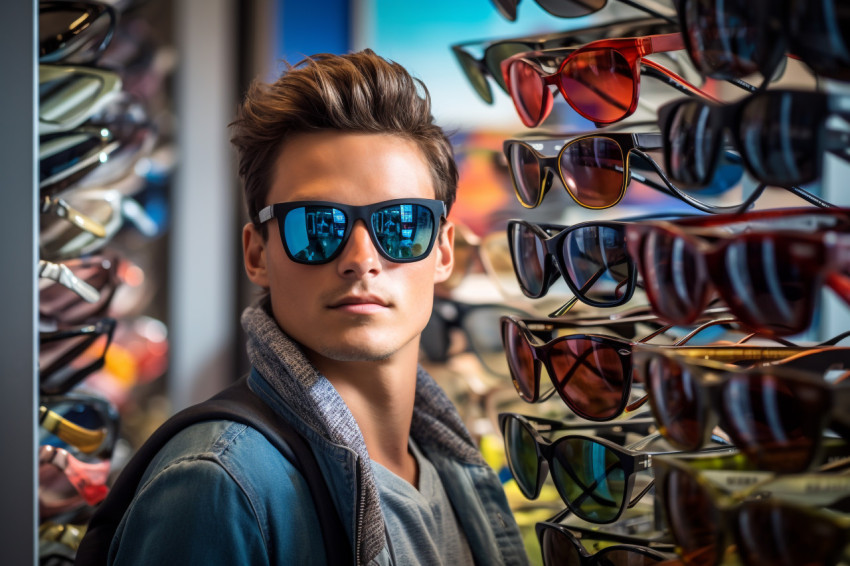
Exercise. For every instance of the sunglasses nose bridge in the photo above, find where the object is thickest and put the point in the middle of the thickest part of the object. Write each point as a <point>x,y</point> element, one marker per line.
<point>360,246</point>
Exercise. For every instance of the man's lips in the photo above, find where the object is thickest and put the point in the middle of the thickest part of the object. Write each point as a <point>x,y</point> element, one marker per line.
<point>361,304</point>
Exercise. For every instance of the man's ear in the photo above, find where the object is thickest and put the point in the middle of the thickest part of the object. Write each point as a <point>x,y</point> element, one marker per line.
<point>254,248</point>
<point>445,246</point>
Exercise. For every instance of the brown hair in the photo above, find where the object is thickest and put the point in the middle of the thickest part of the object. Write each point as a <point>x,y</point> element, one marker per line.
<point>358,92</point>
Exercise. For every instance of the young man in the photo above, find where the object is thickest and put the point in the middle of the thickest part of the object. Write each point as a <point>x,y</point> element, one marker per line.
<point>338,158</point>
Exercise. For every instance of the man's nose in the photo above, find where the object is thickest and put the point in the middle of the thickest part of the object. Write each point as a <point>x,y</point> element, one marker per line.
<point>359,256</point>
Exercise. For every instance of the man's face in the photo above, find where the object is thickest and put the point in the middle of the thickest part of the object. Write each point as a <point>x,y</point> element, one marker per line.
<point>360,306</point>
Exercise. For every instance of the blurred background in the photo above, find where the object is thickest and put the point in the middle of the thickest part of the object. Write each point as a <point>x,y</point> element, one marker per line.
<point>182,282</point>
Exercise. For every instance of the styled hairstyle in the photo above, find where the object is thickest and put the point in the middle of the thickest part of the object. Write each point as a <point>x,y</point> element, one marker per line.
<point>358,92</point>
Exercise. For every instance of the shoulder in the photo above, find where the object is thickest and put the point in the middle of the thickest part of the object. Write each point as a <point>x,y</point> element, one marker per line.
<point>219,490</point>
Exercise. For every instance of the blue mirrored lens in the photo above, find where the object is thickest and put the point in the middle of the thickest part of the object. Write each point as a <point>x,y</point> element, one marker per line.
<point>591,478</point>
<point>314,233</point>
<point>404,231</point>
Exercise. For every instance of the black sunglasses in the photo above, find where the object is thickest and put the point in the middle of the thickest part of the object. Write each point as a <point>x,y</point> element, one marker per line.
<point>488,66</point>
<point>315,232</point>
<point>781,136</point>
<point>74,32</point>
<point>734,39</point>
<point>571,8</point>
<point>571,545</point>
<point>480,325</point>
<point>67,357</point>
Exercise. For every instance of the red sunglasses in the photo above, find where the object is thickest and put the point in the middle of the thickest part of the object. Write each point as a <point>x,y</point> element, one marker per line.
<point>769,273</point>
<point>600,80</point>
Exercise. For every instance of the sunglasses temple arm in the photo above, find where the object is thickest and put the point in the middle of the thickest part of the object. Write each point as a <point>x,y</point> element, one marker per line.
<point>63,275</point>
<point>776,339</point>
<point>85,439</point>
<point>636,404</point>
<point>650,11</point>
<point>565,308</point>
<point>684,340</point>
<point>809,197</point>
<point>652,69</point>
<point>674,191</point>
<point>61,209</point>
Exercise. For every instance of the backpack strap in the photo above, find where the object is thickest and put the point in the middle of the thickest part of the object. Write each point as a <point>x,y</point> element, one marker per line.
<point>239,404</point>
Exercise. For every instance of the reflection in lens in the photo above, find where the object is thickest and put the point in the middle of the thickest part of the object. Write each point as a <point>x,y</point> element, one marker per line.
<point>529,256</point>
<point>690,145</point>
<point>728,39</point>
<point>782,146</point>
<point>592,170</point>
<point>771,534</point>
<point>770,281</point>
<point>774,421</point>
<point>677,403</point>
<point>675,276</point>
<point>590,477</point>
<point>589,377</point>
<point>522,456</point>
<point>521,362</point>
<point>624,557</point>
<point>527,174</point>
<point>599,84</point>
<point>314,233</point>
<point>405,231</point>
<point>531,96</point>
<point>597,262</point>
<point>820,36</point>
<point>692,517</point>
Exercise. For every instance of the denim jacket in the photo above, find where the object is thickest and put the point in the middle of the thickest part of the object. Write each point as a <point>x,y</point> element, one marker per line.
<point>220,493</point>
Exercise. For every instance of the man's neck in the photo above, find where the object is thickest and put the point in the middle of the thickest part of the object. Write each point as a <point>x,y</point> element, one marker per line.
<point>380,396</point>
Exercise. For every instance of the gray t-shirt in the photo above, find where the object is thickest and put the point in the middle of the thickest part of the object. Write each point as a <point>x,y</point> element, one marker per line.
<point>422,525</point>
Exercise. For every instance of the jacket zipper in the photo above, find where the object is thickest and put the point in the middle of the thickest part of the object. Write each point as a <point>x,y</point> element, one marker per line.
<point>358,528</point>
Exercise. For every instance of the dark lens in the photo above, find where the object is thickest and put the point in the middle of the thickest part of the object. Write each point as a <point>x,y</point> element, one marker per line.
<point>781,132</point>
<point>592,170</point>
<point>473,73</point>
<point>599,84</point>
<point>690,144</point>
<point>498,52</point>
<point>531,96</point>
<point>627,557</point>
<point>820,36</point>
<point>521,450</point>
<point>313,234</point>
<point>677,403</point>
<point>597,263</point>
<point>435,336</point>
<point>558,549</point>
<point>405,231</point>
<point>771,534</point>
<point>527,174</point>
<point>774,421</point>
<point>482,330</point>
<point>770,282</point>
<point>520,361</point>
<point>529,256</point>
<point>692,517</point>
<point>590,377</point>
<point>572,8</point>
<point>507,8</point>
<point>675,276</point>
<point>590,477</point>
<point>732,39</point>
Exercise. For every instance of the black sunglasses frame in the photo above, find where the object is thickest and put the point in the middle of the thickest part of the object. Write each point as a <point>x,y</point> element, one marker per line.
<point>507,8</point>
<point>64,47</point>
<point>90,333</point>
<point>631,461</point>
<point>658,550</point>
<point>555,262</point>
<point>727,118</point>
<point>437,208</point>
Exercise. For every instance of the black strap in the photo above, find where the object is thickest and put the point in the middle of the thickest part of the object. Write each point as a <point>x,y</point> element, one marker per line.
<point>239,404</point>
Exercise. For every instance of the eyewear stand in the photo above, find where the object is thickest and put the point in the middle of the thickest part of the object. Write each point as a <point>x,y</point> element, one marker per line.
<point>18,285</point>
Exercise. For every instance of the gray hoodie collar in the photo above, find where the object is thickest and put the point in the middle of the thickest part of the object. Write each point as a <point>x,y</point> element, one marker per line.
<point>436,424</point>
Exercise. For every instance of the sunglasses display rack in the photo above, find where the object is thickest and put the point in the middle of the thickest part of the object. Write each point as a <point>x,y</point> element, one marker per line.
<point>692,418</point>
<point>105,155</point>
